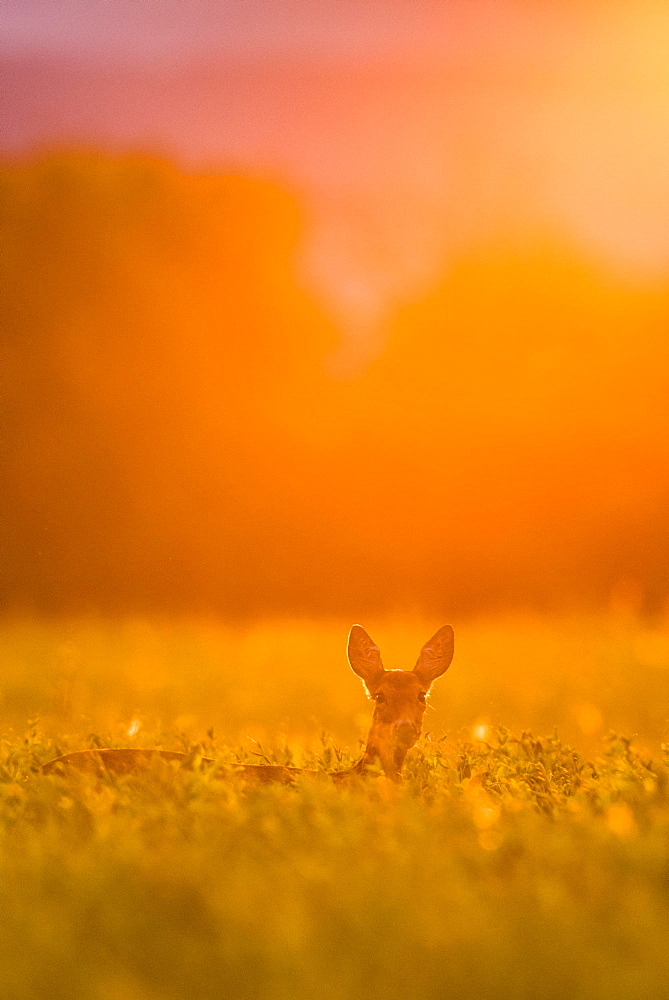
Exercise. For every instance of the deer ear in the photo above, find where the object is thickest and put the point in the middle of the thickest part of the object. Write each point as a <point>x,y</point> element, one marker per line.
<point>435,656</point>
<point>364,657</point>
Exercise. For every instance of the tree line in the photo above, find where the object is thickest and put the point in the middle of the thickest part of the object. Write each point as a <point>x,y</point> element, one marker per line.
<point>174,438</point>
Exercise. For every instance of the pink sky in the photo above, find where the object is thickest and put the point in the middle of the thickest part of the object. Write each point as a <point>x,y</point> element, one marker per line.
<point>173,29</point>
<point>408,127</point>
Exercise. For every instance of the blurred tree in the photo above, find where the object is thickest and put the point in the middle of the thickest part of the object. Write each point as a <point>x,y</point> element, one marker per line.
<point>172,440</point>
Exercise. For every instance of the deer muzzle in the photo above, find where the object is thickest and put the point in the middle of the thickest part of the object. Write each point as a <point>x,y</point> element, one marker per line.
<point>406,734</point>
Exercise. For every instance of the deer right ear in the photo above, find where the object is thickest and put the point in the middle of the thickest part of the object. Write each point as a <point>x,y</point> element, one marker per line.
<point>435,656</point>
<point>364,657</point>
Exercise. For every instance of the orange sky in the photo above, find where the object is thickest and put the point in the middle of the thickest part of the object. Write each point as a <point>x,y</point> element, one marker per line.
<point>409,128</point>
<point>391,327</point>
<point>177,438</point>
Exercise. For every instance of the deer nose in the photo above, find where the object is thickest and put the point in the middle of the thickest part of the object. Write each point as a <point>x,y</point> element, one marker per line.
<point>406,733</point>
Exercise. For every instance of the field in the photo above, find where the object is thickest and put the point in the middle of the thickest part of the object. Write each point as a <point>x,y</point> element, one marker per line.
<point>508,864</point>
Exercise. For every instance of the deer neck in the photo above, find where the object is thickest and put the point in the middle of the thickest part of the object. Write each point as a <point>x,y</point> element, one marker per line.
<point>391,758</point>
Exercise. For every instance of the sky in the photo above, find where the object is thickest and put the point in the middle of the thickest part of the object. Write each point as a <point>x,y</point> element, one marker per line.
<point>408,128</point>
<point>173,29</point>
<point>484,192</point>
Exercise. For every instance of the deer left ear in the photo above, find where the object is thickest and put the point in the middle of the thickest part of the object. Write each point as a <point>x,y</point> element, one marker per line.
<point>365,657</point>
<point>435,656</point>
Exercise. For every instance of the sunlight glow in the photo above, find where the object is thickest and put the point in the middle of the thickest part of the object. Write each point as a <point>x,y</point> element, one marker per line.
<point>480,730</point>
<point>134,727</point>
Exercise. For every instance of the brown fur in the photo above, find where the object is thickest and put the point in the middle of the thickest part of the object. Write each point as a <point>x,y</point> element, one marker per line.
<point>400,696</point>
<point>396,725</point>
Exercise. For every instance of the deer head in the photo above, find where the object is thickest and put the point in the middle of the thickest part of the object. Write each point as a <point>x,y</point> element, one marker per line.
<point>399,695</point>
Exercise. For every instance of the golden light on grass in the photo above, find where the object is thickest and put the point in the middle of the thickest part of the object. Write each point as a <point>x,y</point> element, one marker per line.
<point>480,730</point>
<point>589,719</point>
<point>485,811</point>
<point>502,848</point>
<point>620,820</point>
<point>490,840</point>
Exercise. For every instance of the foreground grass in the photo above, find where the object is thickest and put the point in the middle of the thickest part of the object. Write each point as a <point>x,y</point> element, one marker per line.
<point>505,865</point>
<point>510,867</point>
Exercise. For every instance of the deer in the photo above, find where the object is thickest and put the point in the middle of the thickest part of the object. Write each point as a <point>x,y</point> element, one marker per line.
<point>400,700</point>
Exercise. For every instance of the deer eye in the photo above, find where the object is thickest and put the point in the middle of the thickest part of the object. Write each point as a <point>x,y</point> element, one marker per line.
<point>421,697</point>
<point>379,697</point>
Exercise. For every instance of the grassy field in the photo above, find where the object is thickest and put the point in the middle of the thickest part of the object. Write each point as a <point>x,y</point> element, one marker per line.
<point>506,865</point>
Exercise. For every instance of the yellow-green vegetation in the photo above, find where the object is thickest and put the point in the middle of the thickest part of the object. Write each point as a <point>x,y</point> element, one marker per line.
<point>506,865</point>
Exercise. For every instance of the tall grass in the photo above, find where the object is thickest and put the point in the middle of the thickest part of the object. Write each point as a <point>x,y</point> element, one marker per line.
<point>507,864</point>
<point>279,680</point>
